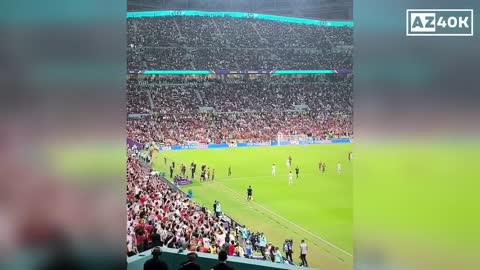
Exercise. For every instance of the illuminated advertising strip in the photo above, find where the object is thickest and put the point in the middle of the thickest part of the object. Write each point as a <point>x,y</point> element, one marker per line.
<point>193,13</point>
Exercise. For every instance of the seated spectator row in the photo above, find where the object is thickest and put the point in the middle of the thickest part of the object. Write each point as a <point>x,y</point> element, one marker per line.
<point>229,43</point>
<point>246,127</point>
<point>235,59</point>
<point>248,110</point>
<point>239,96</point>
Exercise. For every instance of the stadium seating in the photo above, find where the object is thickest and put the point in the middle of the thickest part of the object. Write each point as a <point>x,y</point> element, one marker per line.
<point>235,44</point>
<point>245,110</point>
<point>159,215</point>
<point>239,109</point>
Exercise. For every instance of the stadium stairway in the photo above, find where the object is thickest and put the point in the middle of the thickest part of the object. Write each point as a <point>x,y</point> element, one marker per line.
<point>150,100</point>
<point>199,96</point>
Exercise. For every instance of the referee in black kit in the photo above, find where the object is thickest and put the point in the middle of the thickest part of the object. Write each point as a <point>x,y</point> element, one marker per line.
<point>249,193</point>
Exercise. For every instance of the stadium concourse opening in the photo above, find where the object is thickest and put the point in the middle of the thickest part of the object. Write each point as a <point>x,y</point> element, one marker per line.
<point>221,104</point>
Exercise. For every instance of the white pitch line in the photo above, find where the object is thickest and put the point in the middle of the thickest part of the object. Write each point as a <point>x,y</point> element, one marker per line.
<point>271,212</point>
<point>253,177</point>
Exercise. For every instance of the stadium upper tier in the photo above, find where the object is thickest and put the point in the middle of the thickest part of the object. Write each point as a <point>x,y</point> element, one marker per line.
<point>203,43</point>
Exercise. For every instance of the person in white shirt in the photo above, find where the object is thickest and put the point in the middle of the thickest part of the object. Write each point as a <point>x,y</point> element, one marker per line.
<point>220,237</point>
<point>290,178</point>
<point>303,253</point>
<point>273,169</point>
<point>131,244</point>
<point>288,163</point>
<point>240,251</point>
<point>339,167</point>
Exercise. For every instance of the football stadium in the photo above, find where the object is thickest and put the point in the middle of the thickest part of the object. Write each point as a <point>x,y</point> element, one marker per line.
<point>239,131</point>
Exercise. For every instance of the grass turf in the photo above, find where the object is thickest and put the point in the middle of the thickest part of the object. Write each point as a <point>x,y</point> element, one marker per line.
<point>317,207</point>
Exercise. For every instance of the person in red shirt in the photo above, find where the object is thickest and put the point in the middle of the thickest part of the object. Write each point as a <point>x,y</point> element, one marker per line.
<point>142,199</point>
<point>231,248</point>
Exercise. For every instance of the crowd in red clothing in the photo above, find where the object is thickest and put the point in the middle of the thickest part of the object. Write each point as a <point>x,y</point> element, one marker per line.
<point>244,111</point>
<point>157,215</point>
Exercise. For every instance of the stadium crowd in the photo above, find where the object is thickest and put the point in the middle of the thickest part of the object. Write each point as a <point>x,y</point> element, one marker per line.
<point>243,111</point>
<point>233,110</point>
<point>137,98</point>
<point>235,44</point>
<point>157,215</point>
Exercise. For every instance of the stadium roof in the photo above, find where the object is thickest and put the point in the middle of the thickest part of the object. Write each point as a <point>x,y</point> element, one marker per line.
<point>314,9</point>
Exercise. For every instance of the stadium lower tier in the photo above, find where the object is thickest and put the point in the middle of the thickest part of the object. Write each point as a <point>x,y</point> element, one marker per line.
<point>216,128</point>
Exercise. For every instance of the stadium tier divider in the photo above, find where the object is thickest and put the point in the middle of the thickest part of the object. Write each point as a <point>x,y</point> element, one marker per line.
<point>196,13</point>
<point>237,72</point>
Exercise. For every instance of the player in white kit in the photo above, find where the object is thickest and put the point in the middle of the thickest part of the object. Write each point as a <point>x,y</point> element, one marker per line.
<point>288,163</point>
<point>273,169</point>
<point>290,178</point>
<point>339,168</point>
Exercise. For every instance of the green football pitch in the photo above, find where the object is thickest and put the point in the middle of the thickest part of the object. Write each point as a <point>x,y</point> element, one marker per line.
<point>317,207</point>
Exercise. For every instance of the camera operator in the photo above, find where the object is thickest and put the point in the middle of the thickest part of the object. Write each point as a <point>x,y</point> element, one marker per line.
<point>287,248</point>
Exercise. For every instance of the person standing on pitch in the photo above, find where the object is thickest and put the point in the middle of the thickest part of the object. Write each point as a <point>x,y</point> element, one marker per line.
<point>215,207</point>
<point>229,170</point>
<point>303,253</point>
<point>218,210</point>
<point>249,193</point>
<point>290,178</point>
<point>339,167</point>
<point>273,169</point>
<point>171,171</point>
<point>288,249</point>
<point>192,168</point>
<point>297,171</point>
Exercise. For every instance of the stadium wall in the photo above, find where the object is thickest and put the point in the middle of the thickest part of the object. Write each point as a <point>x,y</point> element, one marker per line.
<point>255,144</point>
<point>173,258</point>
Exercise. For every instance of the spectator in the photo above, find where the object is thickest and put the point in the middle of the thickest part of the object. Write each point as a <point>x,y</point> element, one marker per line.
<point>239,251</point>
<point>235,44</point>
<point>278,255</point>
<point>155,263</point>
<point>249,115</point>
<point>231,248</point>
<point>190,264</point>
<point>222,262</point>
<point>248,249</point>
<point>270,252</point>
